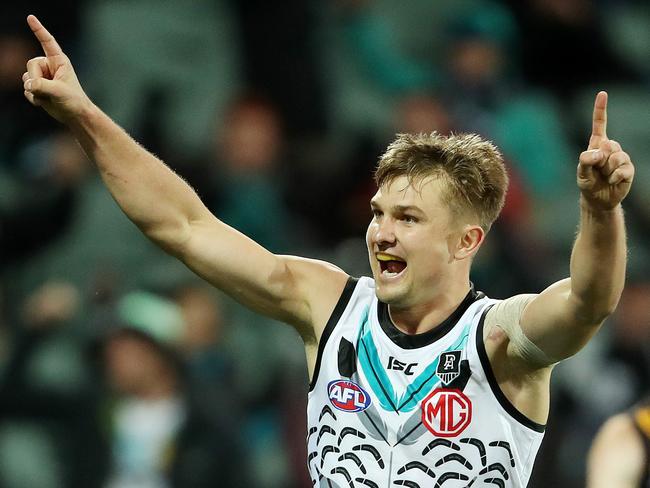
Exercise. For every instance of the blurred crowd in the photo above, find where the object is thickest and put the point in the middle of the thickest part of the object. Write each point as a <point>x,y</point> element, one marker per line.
<point>120,369</point>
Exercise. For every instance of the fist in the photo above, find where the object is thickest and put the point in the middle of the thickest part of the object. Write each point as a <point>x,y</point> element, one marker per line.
<point>605,171</point>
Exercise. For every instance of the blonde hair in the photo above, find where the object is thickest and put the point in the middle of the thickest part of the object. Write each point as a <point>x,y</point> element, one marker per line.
<point>472,168</point>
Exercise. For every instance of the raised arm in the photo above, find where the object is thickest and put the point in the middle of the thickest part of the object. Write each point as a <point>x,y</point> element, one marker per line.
<point>562,318</point>
<point>299,291</point>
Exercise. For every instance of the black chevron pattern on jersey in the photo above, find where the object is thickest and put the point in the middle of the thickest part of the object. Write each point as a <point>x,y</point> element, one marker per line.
<point>350,431</point>
<point>407,483</point>
<point>479,445</point>
<point>345,473</point>
<point>506,446</point>
<point>372,450</point>
<point>326,450</point>
<point>325,429</point>
<point>440,442</point>
<point>416,465</point>
<point>495,467</point>
<point>454,457</point>
<point>326,409</point>
<point>355,458</point>
<point>450,476</point>
<point>496,481</point>
<point>367,482</point>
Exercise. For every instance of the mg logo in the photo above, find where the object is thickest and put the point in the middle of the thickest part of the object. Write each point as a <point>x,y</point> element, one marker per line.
<point>446,413</point>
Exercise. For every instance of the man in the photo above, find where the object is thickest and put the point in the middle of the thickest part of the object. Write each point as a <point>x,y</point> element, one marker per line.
<point>416,378</point>
<point>620,453</point>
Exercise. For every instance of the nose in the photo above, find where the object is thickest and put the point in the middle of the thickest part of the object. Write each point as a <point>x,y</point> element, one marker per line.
<point>385,233</point>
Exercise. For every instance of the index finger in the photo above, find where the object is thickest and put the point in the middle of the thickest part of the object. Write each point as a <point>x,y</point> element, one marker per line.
<point>599,123</point>
<point>48,43</point>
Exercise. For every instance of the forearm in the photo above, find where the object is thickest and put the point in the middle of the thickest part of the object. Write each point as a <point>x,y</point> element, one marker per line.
<point>157,200</point>
<point>598,262</point>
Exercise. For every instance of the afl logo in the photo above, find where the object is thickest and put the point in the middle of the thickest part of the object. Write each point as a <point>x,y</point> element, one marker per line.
<point>348,396</point>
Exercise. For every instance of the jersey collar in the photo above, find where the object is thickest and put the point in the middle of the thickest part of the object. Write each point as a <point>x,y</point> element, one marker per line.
<point>413,341</point>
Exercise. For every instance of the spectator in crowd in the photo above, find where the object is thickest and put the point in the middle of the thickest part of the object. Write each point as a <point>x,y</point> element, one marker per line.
<point>620,454</point>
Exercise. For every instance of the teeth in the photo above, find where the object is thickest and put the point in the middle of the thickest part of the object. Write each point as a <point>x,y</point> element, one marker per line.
<point>388,273</point>
<point>388,257</point>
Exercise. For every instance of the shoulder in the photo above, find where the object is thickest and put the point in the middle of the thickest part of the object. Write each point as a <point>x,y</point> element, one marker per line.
<point>508,312</point>
<point>619,430</point>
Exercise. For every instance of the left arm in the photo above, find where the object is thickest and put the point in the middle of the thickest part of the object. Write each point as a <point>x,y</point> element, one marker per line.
<point>562,318</point>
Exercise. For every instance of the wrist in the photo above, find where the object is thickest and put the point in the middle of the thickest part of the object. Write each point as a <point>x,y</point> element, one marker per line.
<point>598,207</point>
<point>83,117</point>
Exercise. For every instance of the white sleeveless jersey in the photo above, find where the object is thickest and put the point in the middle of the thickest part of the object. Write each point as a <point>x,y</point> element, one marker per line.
<point>391,410</point>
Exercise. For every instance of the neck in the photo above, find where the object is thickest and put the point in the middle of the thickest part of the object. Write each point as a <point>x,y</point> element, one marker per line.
<point>421,318</point>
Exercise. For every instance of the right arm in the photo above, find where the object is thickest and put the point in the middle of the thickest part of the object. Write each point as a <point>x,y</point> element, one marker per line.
<point>298,291</point>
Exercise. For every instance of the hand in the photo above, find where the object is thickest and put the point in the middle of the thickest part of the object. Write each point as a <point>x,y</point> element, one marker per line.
<point>50,81</point>
<point>605,171</point>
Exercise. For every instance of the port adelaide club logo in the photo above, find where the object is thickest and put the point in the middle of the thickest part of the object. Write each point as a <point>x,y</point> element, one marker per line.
<point>447,412</point>
<point>347,396</point>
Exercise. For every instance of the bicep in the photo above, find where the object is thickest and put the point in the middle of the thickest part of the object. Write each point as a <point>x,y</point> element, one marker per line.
<point>295,290</point>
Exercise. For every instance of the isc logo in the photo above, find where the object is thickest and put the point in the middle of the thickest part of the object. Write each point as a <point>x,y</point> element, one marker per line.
<point>348,396</point>
<point>446,412</point>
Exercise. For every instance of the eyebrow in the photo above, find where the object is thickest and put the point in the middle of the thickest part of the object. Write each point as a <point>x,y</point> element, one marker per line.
<point>399,208</point>
<point>407,208</point>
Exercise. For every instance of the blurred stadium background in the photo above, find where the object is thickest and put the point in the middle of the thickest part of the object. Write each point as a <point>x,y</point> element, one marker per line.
<point>276,113</point>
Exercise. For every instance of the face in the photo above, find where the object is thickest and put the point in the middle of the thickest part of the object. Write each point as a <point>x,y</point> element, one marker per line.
<point>130,363</point>
<point>411,242</point>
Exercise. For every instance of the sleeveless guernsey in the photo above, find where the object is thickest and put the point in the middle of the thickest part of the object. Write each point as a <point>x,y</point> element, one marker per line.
<point>391,410</point>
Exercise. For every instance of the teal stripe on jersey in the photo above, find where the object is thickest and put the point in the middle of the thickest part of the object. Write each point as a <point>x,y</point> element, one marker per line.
<point>379,381</point>
<point>426,381</point>
<point>374,370</point>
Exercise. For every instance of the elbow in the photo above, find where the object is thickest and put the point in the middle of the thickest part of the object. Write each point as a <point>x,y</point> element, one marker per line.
<point>172,237</point>
<point>595,311</point>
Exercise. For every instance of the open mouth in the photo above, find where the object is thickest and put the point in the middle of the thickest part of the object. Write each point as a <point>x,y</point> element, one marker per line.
<point>390,265</point>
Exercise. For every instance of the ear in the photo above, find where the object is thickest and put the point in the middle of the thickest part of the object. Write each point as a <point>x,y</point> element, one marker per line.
<point>471,238</point>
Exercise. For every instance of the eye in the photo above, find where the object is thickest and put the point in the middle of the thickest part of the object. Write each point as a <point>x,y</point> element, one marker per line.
<point>376,213</point>
<point>409,219</point>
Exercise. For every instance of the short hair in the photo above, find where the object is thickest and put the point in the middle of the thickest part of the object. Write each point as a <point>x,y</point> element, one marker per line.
<point>472,167</point>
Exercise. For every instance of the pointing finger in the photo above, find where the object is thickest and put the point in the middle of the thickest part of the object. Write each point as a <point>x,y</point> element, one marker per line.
<point>599,122</point>
<point>48,43</point>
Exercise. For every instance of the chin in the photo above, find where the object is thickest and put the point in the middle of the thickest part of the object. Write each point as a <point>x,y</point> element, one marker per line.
<point>390,294</point>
